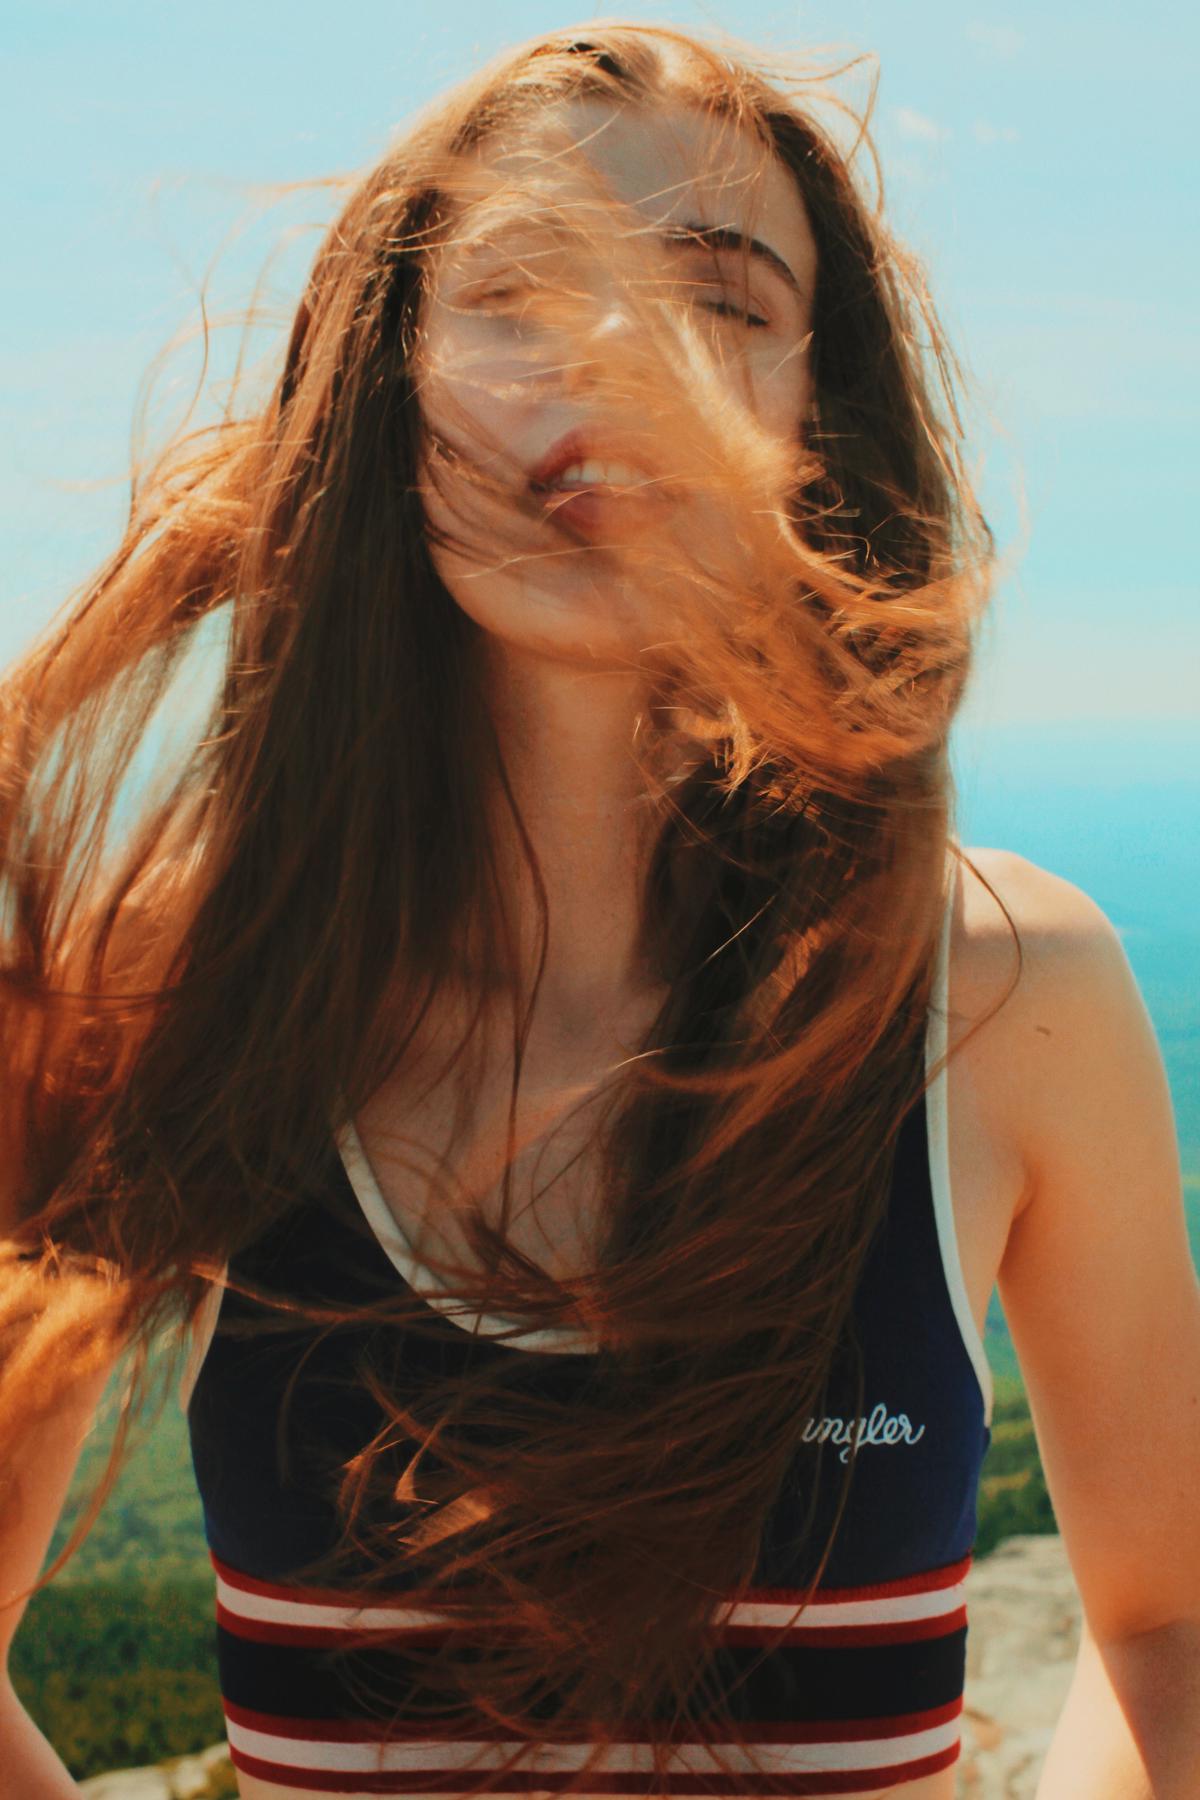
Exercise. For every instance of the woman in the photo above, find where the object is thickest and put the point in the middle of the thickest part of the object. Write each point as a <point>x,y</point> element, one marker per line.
<point>515,1038</point>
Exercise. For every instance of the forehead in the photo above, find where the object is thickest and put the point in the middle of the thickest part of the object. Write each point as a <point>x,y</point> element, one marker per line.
<point>672,162</point>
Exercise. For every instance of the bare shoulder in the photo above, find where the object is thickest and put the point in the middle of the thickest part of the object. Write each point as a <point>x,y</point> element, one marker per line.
<point>1048,1007</point>
<point>1023,932</point>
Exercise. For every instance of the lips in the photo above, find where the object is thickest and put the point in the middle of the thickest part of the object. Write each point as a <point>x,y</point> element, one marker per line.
<point>578,446</point>
<point>595,508</point>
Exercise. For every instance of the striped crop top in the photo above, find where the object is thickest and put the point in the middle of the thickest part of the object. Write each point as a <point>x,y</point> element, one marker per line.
<point>866,1689</point>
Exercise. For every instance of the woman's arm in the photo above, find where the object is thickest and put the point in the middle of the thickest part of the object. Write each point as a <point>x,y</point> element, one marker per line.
<point>36,1465</point>
<point>29,1768</point>
<point>1094,1752</point>
<point>38,1475</point>
<point>1103,1304</point>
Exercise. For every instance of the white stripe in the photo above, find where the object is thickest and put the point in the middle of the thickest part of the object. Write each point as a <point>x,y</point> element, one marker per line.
<point>274,1611</point>
<point>370,1757</point>
<point>932,1603</point>
<point>938,1131</point>
<point>201,1326</point>
<point>887,1609</point>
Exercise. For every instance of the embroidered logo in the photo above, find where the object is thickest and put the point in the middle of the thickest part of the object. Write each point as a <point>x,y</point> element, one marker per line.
<point>881,1428</point>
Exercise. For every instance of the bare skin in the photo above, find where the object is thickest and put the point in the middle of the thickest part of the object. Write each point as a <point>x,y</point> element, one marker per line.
<point>559,1227</point>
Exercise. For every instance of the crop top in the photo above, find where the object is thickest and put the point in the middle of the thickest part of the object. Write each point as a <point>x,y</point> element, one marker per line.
<point>865,1690</point>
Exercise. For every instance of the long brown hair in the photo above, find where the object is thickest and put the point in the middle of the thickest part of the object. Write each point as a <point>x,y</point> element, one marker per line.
<point>202,981</point>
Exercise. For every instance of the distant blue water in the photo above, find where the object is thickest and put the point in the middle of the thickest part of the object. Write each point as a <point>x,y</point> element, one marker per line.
<point>1114,808</point>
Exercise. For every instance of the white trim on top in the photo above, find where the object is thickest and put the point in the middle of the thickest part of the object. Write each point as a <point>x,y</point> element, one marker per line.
<point>938,1130</point>
<point>202,1326</point>
<point>399,1251</point>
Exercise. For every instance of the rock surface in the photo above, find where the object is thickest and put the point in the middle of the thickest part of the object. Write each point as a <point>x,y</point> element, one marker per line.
<point>208,1775</point>
<point>1024,1626</point>
<point>1024,1631</point>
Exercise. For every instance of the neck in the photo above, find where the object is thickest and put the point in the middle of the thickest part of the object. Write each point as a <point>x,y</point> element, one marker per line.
<point>582,761</point>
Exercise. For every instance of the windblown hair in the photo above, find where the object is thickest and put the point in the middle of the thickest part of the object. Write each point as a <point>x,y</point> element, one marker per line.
<point>200,988</point>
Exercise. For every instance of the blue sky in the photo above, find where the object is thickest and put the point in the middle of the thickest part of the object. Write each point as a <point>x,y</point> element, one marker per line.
<point>1041,162</point>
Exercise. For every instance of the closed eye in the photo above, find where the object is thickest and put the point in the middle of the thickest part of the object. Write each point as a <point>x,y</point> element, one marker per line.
<point>509,291</point>
<point>727,310</point>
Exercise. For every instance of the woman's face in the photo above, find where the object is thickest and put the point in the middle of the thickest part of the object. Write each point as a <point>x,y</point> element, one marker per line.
<point>519,394</point>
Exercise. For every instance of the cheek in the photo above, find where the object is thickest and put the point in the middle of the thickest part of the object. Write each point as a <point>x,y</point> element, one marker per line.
<point>782,388</point>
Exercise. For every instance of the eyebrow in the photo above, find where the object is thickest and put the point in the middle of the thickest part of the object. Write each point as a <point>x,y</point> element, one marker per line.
<point>727,237</point>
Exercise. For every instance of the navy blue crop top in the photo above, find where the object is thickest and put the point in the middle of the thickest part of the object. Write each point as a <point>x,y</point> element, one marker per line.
<point>865,1691</point>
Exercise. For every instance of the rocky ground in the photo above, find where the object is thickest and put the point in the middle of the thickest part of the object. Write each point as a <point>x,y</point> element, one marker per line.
<point>206,1776</point>
<point>1024,1631</point>
<point>1025,1621</point>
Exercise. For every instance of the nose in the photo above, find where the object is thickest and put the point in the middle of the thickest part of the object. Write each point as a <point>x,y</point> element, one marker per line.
<point>614,321</point>
<point>583,351</point>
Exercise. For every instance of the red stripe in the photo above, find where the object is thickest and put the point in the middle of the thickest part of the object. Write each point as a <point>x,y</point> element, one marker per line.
<point>772,1731</point>
<point>433,1637</point>
<point>515,1781</point>
<point>425,1637</point>
<point>947,1576</point>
